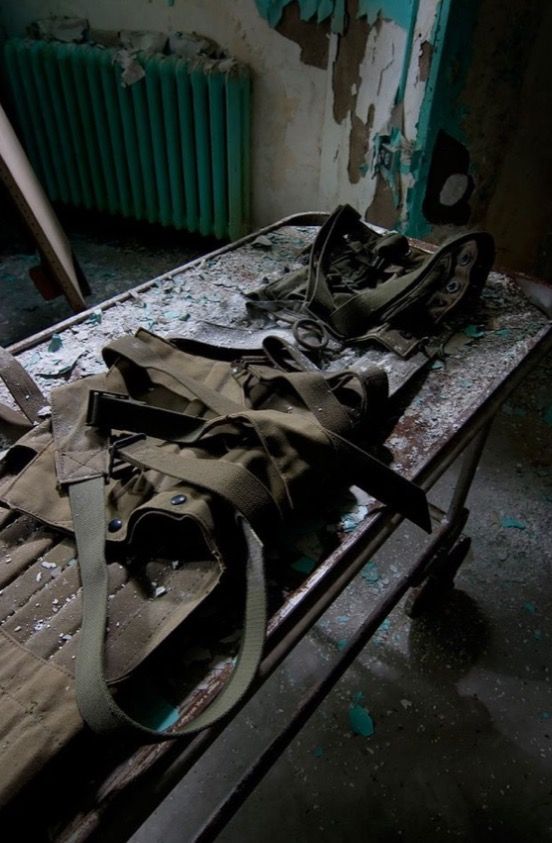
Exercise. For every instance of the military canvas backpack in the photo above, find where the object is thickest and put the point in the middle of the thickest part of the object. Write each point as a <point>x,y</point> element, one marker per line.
<point>181,460</point>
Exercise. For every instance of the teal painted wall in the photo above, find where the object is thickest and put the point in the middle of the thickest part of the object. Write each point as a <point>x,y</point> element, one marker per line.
<point>451,40</point>
<point>399,11</point>
<point>454,21</point>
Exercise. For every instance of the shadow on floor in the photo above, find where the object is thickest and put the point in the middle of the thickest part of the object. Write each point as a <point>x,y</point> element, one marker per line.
<point>115,255</point>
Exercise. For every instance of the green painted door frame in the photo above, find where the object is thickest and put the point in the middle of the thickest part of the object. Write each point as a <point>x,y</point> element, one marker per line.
<point>441,107</point>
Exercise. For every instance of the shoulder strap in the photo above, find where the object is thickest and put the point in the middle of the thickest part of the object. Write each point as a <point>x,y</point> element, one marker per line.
<point>147,355</point>
<point>24,391</point>
<point>96,703</point>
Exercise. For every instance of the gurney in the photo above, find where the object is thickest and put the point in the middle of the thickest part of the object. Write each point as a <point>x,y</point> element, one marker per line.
<point>449,415</point>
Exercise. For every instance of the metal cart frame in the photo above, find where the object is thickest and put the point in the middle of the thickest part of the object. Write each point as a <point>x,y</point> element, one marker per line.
<point>125,800</point>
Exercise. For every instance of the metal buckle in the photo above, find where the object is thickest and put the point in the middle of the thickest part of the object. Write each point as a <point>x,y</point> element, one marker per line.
<point>117,444</point>
<point>96,398</point>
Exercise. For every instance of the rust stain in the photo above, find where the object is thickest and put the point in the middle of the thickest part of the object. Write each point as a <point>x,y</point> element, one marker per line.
<point>312,37</point>
<point>359,142</point>
<point>382,210</point>
<point>424,60</point>
<point>351,50</point>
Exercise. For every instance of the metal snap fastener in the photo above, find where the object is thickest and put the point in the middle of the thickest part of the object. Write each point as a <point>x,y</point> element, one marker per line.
<point>177,500</point>
<point>114,525</point>
<point>453,286</point>
<point>465,258</point>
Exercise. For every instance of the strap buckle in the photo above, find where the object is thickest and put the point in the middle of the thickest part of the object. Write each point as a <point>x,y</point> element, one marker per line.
<point>99,414</point>
<point>96,413</point>
<point>117,444</point>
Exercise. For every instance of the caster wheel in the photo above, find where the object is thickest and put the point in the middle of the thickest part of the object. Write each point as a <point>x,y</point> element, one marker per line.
<point>440,582</point>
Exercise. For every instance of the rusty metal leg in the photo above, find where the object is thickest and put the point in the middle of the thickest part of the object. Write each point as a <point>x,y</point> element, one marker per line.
<point>445,556</point>
<point>470,462</point>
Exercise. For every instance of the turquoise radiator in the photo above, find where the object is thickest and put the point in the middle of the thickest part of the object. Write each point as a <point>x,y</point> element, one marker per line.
<point>172,148</point>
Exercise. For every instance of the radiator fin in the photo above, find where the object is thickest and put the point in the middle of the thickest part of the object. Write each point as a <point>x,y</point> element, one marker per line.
<point>172,148</point>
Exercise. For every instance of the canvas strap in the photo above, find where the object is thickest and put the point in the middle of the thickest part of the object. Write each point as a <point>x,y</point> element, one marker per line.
<point>351,318</point>
<point>258,511</point>
<point>248,495</point>
<point>315,393</point>
<point>395,285</point>
<point>95,700</point>
<point>147,357</point>
<point>24,391</point>
<point>382,483</point>
<point>229,480</point>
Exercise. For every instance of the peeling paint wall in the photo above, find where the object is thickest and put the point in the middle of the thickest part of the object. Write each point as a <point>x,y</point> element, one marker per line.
<point>373,106</point>
<point>485,131</point>
<point>327,125</point>
<point>399,11</point>
<point>289,94</point>
<point>366,72</point>
<point>428,115</point>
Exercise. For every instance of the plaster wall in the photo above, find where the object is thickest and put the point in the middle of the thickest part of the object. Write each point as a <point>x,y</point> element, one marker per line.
<point>321,99</point>
<point>519,209</point>
<point>288,95</point>
<point>487,124</point>
<point>375,90</point>
<point>347,169</point>
<point>423,49</point>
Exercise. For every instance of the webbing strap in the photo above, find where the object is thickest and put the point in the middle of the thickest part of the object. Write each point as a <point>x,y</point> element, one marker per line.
<point>386,300</point>
<point>350,318</point>
<point>107,410</point>
<point>318,294</point>
<point>384,484</point>
<point>96,703</point>
<point>140,353</point>
<point>229,480</point>
<point>14,419</point>
<point>312,388</point>
<point>23,389</point>
<point>287,357</point>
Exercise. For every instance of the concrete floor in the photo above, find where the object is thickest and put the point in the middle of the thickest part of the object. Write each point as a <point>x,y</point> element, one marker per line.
<point>460,700</point>
<point>114,257</point>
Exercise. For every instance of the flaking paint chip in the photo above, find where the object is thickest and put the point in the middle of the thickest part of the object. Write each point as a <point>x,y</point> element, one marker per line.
<point>370,572</point>
<point>360,721</point>
<point>304,565</point>
<point>262,242</point>
<point>510,522</point>
<point>55,343</point>
<point>95,318</point>
<point>473,332</point>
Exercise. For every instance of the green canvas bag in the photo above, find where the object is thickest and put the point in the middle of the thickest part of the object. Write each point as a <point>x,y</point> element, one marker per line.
<point>181,460</point>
